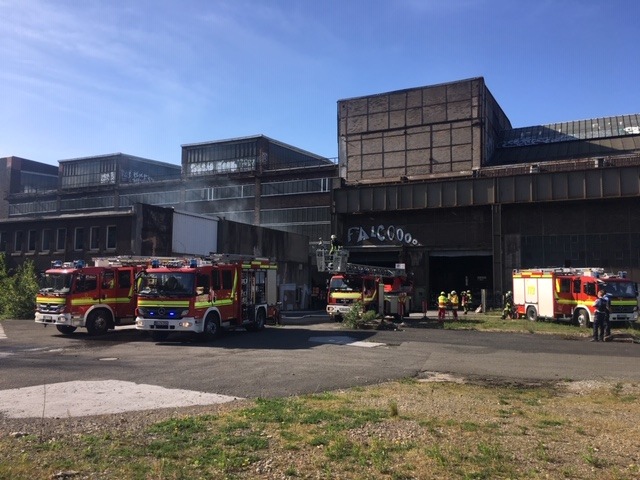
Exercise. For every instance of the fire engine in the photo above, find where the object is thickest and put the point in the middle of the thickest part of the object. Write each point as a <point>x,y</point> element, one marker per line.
<point>381,289</point>
<point>206,296</point>
<point>98,297</point>
<point>569,293</point>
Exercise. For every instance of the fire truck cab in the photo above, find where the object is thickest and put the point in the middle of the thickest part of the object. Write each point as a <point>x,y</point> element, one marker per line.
<point>569,293</point>
<point>74,295</point>
<point>205,297</point>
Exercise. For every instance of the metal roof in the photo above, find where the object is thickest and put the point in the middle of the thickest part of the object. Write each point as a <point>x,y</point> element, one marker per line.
<point>605,127</point>
<point>581,138</point>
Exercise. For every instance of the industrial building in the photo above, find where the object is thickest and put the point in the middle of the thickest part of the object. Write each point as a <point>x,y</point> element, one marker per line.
<point>119,204</point>
<point>434,177</point>
<point>437,179</point>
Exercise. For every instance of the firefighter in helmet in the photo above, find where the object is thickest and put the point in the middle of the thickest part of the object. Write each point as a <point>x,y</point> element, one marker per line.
<point>455,303</point>
<point>335,244</point>
<point>442,305</point>
<point>464,301</point>
<point>507,311</point>
<point>468,301</point>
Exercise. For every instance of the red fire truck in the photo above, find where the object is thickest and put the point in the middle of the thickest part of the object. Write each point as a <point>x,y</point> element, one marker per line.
<point>205,297</point>
<point>384,290</point>
<point>569,293</point>
<point>96,297</point>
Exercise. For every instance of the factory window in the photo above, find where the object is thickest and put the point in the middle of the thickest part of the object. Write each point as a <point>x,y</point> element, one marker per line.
<point>111,237</point>
<point>46,240</point>
<point>61,239</point>
<point>78,239</point>
<point>94,238</point>
<point>88,172</point>
<point>19,238</point>
<point>293,187</point>
<point>31,241</point>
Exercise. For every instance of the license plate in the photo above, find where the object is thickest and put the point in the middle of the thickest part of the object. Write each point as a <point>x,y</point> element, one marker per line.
<point>161,324</point>
<point>47,318</point>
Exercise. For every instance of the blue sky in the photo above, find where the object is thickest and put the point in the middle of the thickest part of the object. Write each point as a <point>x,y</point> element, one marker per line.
<point>143,77</point>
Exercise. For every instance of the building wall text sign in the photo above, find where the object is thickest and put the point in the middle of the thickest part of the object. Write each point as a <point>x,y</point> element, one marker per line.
<point>385,234</point>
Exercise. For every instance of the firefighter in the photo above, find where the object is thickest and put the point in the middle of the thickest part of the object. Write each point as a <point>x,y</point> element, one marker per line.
<point>607,321</point>
<point>464,299</point>
<point>600,319</point>
<point>468,302</point>
<point>335,244</point>
<point>442,305</point>
<point>455,303</point>
<point>507,311</point>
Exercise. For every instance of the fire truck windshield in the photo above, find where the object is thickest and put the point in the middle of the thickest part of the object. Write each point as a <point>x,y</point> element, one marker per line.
<point>167,283</point>
<point>345,284</point>
<point>620,289</point>
<point>56,283</point>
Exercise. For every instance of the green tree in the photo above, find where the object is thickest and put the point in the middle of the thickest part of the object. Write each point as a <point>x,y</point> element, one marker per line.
<point>5,287</point>
<point>18,291</point>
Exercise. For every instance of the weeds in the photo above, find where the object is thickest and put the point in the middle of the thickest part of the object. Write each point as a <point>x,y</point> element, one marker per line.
<point>451,431</point>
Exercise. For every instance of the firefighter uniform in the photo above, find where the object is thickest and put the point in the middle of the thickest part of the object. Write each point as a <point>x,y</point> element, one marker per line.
<point>455,303</point>
<point>507,311</point>
<point>442,305</point>
<point>600,319</point>
<point>466,306</point>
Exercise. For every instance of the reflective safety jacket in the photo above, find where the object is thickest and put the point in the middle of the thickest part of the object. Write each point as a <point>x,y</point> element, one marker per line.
<point>442,301</point>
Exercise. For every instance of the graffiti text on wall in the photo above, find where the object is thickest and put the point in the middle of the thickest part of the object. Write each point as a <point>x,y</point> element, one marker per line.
<point>389,234</point>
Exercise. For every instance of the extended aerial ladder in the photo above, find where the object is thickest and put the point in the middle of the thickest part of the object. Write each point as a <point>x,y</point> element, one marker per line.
<point>391,290</point>
<point>338,262</point>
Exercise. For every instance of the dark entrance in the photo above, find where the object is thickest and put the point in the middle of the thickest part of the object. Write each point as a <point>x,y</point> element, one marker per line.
<point>459,272</point>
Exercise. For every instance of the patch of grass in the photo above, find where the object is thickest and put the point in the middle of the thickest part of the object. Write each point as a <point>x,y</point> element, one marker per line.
<point>445,431</point>
<point>594,460</point>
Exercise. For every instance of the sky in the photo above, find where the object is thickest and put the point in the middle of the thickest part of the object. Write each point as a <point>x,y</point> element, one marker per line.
<point>81,78</point>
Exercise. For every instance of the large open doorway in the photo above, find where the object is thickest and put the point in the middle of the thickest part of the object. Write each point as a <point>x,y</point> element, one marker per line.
<point>459,271</point>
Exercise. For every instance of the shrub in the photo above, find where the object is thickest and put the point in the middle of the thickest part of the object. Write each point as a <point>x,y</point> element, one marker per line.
<point>18,291</point>
<point>356,318</point>
<point>353,318</point>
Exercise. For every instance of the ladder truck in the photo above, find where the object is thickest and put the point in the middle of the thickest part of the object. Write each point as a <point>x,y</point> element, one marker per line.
<point>205,297</point>
<point>384,290</point>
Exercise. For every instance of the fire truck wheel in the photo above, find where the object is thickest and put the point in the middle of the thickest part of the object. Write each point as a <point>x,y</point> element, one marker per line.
<point>212,327</point>
<point>532,314</point>
<point>259,322</point>
<point>98,322</point>
<point>582,318</point>
<point>66,329</point>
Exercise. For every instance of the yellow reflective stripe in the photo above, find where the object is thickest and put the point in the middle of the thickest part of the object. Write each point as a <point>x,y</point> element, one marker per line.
<point>235,283</point>
<point>83,301</point>
<point>563,301</point>
<point>217,303</point>
<point>345,295</point>
<point>53,300</point>
<point>162,303</point>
